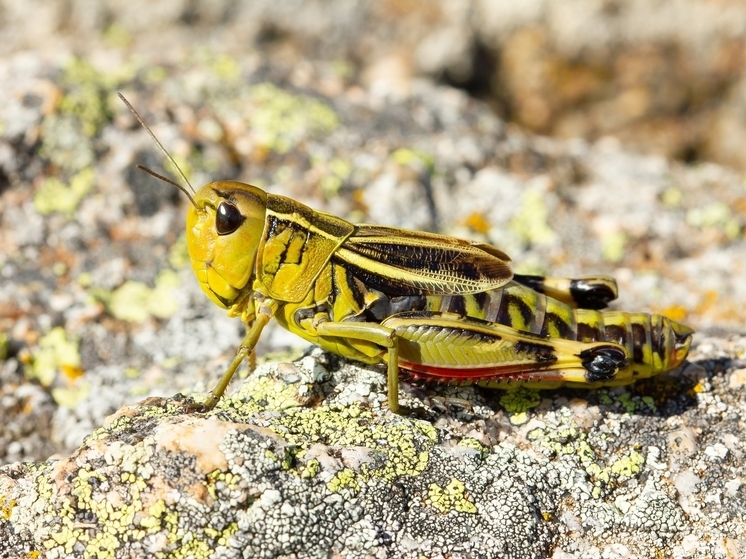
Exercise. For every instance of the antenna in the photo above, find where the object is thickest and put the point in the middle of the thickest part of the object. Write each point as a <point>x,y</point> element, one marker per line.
<point>189,194</point>
<point>169,181</point>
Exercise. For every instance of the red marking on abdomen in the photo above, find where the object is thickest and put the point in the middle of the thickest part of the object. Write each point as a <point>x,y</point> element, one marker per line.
<point>475,374</point>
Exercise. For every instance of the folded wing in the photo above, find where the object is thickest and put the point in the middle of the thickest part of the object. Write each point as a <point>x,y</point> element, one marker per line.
<point>412,262</point>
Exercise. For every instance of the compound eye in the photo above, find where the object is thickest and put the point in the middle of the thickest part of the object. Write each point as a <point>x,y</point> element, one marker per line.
<point>228,218</point>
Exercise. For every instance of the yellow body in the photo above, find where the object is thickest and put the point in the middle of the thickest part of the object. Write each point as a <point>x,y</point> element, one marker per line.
<point>439,307</point>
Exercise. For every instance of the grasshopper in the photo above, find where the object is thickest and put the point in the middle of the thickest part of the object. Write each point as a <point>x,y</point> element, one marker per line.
<point>441,308</point>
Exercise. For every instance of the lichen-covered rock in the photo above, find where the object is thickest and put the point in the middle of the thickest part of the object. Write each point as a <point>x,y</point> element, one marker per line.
<point>305,460</point>
<point>269,473</point>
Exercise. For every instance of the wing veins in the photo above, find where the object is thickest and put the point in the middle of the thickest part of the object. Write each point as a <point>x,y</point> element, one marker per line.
<point>431,263</point>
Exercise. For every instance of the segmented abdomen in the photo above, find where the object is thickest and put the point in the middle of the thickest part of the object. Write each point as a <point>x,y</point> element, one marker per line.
<point>649,339</point>
<point>653,343</point>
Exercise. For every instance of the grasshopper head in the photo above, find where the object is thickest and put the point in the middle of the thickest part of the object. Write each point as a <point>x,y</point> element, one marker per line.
<point>224,228</point>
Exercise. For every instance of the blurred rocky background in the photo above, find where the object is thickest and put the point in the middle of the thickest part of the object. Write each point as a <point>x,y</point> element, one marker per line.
<point>664,77</point>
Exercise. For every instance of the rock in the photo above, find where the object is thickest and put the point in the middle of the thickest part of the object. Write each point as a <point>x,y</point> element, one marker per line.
<point>298,463</point>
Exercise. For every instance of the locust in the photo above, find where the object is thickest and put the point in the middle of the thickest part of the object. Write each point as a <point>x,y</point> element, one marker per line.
<point>436,307</point>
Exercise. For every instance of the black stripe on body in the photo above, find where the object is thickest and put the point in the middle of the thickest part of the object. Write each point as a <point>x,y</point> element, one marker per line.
<point>615,334</point>
<point>511,302</point>
<point>352,285</point>
<point>639,339</point>
<point>272,225</point>
<point>532,282</point>
<point>465,261</point>
<point>482,300</point>
<point>565,331</point>
<point>588,332</point>
<point>347,295</point>
<point>334,289</point>
<point>658,339</point>
<point>383,307</point>
<point>278,227</point>
<point>230,196</point>
<point>543,354</point>
<point>591,293</point>
<point>382,283</point>
<point>457,305</point>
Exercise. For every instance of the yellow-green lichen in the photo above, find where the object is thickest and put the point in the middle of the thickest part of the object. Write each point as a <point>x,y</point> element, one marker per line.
<point>263,392</point>
<point>715,215</point>
<point>628,466</point>
<point>604,398</point>
<point>55,196</point>
<point>530,224</point>
<point>226,533</point>
<point>332,173</point>
<point>396,450</point>
<point>343,479</point>
<point>56,353</point>
<point>286,460</point>
<point>518,401</point>
<point>84,279</point>
<point>560,439</point>
<point>569,440</point>
<point>311,469</point>
<point>189,548</point>
<point>414,158</point>
<point>283,174</point>
<point>632,404</point>
<point>530,266</point>
<point>154,513</point>
<point>225,67</point>
<point>613,244</point>
<point>3,346</point>
<point>451,497</point>
<point>136,302</point>
<point>6,507</point>
<point>71,396</point>
<point>153,75</point>
<point>124,422</point>
<point>117,36</point>
<point>126,519</point>
<point>118,518</point>
<point>87,93</point>
<point>83,109</point>
<point>280,120</point>
<point>672,196</point>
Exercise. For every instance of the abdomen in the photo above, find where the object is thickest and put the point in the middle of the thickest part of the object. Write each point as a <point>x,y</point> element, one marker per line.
<point>517,334</point>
